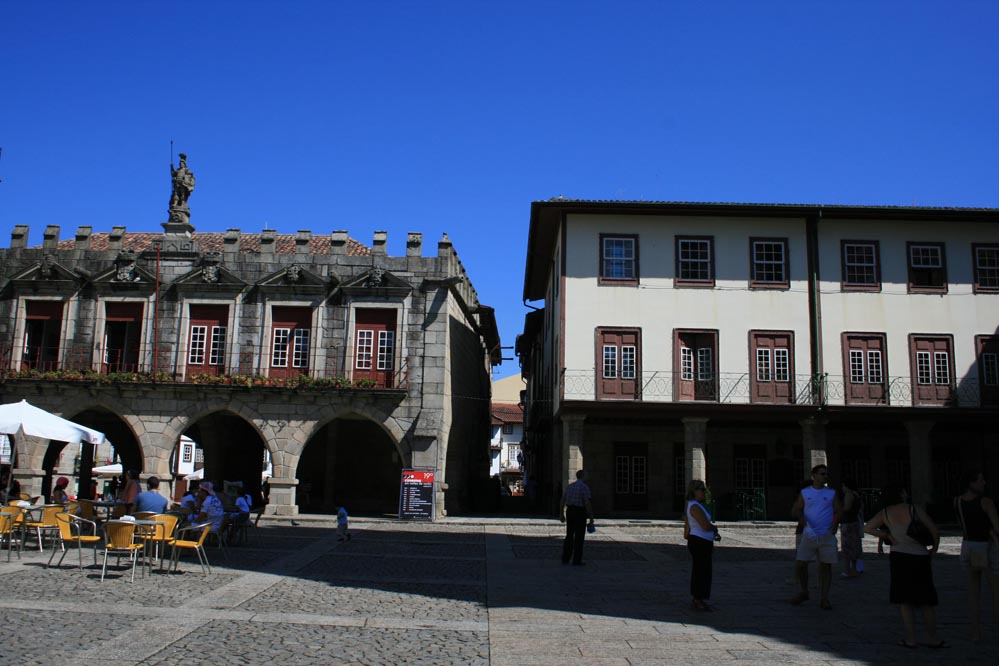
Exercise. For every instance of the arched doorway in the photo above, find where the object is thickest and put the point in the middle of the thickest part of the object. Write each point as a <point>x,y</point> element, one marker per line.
<point>349,462</point>
<point>232,450</point>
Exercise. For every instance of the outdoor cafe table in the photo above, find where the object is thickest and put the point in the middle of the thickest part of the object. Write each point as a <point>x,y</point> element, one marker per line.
<point>108,506</point>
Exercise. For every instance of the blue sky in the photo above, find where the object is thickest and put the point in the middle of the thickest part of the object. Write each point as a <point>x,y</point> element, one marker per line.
<point>453,116</point>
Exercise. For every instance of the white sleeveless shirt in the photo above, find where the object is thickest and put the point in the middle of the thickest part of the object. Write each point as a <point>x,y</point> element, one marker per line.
<point>695,527</point>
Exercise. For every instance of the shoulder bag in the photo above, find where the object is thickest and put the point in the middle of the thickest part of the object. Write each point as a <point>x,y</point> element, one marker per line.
<point>917,530</point>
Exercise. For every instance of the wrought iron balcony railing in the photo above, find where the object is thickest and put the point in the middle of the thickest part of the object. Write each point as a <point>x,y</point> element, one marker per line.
<point>739,388</point>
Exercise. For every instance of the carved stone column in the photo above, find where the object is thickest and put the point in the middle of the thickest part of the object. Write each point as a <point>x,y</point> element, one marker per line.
<point>282,500</point>
<point>695,441</point>
<point>573,431</point>
<point>813,443</point>
<point>920,460</point>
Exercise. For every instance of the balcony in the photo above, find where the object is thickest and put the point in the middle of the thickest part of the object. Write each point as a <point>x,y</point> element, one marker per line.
<point>738,389</point>
<point>141,365</point>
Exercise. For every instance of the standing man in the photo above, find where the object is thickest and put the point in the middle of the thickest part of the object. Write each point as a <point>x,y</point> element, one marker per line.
<point>574,511</point>
<point>818,506</point>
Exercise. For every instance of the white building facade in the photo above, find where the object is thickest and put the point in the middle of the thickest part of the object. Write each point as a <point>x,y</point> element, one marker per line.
<point>741,344</point>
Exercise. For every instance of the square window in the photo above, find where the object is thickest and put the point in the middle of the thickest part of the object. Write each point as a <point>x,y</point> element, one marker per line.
<point>610,361</point>
<point>986,267</point>
<point>694,261</point>
<point>619,259</point>
<point>769,267</point>
<point>856,366</point>
<point>924,372</point>
<point>628,362</point>
<point>874,374</point>
<point>861,269</point>
<point>762,364</point>
<point>927,267</point>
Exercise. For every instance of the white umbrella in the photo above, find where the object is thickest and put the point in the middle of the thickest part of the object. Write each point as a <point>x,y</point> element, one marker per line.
<point>108,470</point>
<point>198,475</point>
<point>22,417</point>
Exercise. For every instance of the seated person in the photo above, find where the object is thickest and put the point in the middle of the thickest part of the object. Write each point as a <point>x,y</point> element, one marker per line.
<point>59,495</point>
<point>211,507</point>
<point>244,503</point>
<point>151,500</point>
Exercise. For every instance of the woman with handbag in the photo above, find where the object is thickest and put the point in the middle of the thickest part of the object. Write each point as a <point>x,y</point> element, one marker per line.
<point>980,546</point>
<point>701,535</point>
<point>909,531</point>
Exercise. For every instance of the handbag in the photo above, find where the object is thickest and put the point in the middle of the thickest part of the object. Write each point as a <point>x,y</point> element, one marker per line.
<point>918,531</point>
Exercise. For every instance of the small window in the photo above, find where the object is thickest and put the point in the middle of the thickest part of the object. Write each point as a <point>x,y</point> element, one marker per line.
<point>507,428</point>
<point>932,363</point>
<point>619,364</point>
<point>927,267</point>
<point>199,340</point>
<point>365,349</point>
<point>771,380</point>
<point>618,259</point>
<point>279,357</point>
<point>863,367</point>
<point>769,264</point>
<point>861,266</point>
<point>696,355</point>
<point>986,259</point>
<point>987,347</point>
<point>695,262</point>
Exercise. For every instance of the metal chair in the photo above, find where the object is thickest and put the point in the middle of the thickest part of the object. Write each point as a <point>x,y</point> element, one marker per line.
<point>67,522</point>
<point>198,546</point>
<point>161,535</point>
<point>46,524</point>
<point>7,533</point>
<point>118,534</point>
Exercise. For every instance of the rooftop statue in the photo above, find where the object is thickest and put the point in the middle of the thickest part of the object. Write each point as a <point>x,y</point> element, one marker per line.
<point>183,183</point>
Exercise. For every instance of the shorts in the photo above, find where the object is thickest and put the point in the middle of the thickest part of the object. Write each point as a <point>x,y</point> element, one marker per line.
<point>821,546</point>
<point>968,547</point>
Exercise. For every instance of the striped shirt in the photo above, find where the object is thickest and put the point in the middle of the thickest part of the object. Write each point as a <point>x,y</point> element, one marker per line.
<point>577,494</point>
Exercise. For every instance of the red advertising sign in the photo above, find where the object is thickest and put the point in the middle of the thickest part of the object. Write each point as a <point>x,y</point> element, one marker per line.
<point>416,494</point>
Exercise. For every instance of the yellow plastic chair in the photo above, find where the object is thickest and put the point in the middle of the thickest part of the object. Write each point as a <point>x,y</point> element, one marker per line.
<point>88,511</point>
<point>144,515</point>
<point>198,545</point>
<point>46,524</point>
<point>7,533</point>
<point>71,530</point>
<point>118,534</point>
<point>161,536</point>
<point>72,506</point>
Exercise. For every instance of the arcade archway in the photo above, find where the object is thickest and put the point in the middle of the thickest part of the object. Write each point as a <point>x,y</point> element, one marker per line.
<point>349,462</point>
<point>231,450</point>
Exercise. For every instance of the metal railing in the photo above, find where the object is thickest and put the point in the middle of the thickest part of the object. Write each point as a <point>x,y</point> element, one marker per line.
<point>146,364</point>
<point>738,388</point>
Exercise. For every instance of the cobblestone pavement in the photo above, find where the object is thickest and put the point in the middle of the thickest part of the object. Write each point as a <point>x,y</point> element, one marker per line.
<point>468,592</point>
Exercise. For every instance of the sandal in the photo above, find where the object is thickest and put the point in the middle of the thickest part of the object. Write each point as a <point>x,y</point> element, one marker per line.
<point>903,643</point>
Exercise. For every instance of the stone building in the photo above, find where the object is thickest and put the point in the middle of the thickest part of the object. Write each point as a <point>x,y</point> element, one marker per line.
<point>338,363</point>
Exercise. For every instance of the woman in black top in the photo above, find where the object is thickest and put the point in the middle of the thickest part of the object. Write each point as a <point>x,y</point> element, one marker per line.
<point>980,547</point>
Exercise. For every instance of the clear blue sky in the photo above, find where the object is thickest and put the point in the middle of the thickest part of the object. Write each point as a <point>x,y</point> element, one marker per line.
<point>454,116</point>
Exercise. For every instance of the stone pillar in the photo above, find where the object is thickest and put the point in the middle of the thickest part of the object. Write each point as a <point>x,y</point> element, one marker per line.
<point>268,237</point>
<point>813,443</point>
<point>573,432</point>
<point>282,499</point>
<point>302,240</point>
<point>338,242</point>
<point>82,240</point>
<point>695,441</point>
<point>50,239</point>
<point>19,236</point>
<point>378,243</point>
<point>414,244</point>
<point>116,239</point>
<point>920,460</point>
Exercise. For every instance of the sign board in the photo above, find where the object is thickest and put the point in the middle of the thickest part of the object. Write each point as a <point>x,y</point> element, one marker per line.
<point>416,494</point>
<point>5,453</point>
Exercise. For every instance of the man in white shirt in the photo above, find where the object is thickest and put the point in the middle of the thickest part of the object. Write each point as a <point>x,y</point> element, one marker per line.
<point>818,505</point>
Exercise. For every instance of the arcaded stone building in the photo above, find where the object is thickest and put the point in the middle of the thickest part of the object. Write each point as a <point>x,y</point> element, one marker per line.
<point>330,360</point>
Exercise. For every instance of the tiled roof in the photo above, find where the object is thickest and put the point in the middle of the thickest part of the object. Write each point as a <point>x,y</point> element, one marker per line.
<point>506,413</point>
<point>212,242</point>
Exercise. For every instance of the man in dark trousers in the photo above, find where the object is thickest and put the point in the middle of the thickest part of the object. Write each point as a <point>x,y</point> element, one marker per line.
<point>574,511</point>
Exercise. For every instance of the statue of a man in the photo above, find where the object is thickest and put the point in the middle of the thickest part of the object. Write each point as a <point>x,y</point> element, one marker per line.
<point>183,183</point>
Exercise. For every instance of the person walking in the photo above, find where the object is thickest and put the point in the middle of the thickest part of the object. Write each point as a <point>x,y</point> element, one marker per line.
<point>574,509</point>
<point>851,527</point>
<point>818,506</point>
<point>980,546</point>
<point>909,564</point>
<point>701,535</point>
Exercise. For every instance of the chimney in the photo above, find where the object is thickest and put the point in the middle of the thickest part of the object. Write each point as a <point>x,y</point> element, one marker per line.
<point>414,244</point>
<point>267,238</point>
<point>338,242</point>
<point>378,244</point>
<point>19,236</point>
<point>302,242</point>
<point>116,238</point>
<point>83,237</point>
<point>51,237</point>
<point>230,243</point>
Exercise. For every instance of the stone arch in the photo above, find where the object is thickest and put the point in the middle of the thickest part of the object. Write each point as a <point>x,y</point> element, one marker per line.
<point>322,416</point>
<point>352,457</point>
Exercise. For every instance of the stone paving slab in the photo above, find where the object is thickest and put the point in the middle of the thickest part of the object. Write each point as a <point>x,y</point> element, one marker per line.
<point>461,593</point>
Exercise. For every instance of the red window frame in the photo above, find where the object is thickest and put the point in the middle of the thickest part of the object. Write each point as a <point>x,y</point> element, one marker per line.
<point>695,364</point>
<point>42,335</point>
<point>602,268</point>
<point>931,363</point>
<point>755,263</point>
<point>992,269</point>
<point>290,341</point>
<point>924,274</point>
<point>623,381</point>
<point>122,336</point>
<point>865,380</point>
<point>845,283</point>
<point>987,355</point>
<point>213,321</point>
<point>681,281</point>
<point>375,345</point>
<point>771,380</point>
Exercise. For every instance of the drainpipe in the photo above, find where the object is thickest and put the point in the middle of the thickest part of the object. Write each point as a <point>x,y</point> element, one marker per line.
<point>156,317</point>
<point>815,306</point>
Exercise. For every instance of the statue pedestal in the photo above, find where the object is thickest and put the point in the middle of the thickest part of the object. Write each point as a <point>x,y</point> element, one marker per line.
<point>180,221</point>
